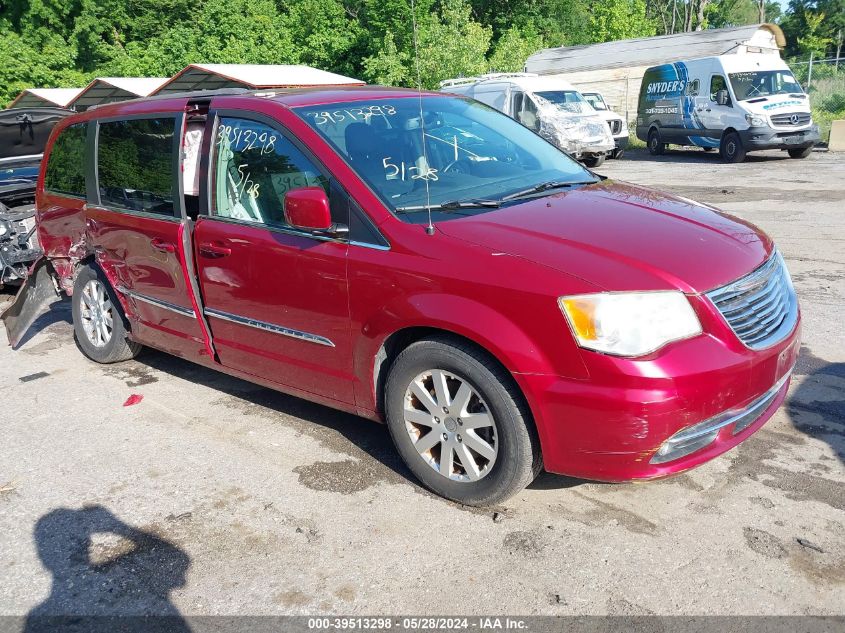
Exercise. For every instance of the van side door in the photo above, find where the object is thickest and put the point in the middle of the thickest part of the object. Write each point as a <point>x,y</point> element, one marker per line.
<point>276,297</point>
<point>134,227</point>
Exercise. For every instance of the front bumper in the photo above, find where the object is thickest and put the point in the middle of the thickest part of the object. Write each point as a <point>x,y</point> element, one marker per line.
<point>758,138</point>
<point>611,426</point>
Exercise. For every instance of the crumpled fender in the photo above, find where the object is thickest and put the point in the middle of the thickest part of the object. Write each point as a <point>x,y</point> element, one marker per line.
<point>36,294</point>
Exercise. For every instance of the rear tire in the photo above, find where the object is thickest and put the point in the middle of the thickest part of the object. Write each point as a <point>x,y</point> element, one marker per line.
<point>656,146</point>
<point>594,161</point>
<point>800,153</point>
<point>99,325</point>
<point>731,149</point>
<point>489,426</point>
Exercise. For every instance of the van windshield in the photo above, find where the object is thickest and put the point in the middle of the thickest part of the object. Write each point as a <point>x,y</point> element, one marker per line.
<point>473,158</point>
<point>566,100</point>
<point>763,83</point>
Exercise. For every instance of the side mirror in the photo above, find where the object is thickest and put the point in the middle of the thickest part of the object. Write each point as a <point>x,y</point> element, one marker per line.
<point>307,209</point>
<point>722,97</point>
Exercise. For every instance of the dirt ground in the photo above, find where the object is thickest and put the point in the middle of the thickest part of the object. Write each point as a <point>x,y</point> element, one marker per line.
<point>215,496</point>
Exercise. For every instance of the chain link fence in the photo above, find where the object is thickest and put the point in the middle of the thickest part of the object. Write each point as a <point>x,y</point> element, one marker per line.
<point>824,81</point>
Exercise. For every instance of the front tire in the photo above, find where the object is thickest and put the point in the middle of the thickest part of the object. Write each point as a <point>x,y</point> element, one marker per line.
<point>656,146</point>
<point>459,422</point>
<point>594,161</point>
<point>800,153</point>
<point>99,325</point>
<point>731,149</point>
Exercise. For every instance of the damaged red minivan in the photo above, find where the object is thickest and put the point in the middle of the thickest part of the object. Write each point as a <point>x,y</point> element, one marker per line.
<point>423,260</point>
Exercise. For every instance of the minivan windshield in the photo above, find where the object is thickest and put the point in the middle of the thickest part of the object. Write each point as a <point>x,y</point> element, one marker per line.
<point>473,159</point>
<point>764,83</point>
<point>566,100</point>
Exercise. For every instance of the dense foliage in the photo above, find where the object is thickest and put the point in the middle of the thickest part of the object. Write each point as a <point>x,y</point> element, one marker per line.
<point>46,43</point>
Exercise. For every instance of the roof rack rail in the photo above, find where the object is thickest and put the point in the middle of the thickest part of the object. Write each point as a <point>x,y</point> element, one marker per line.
<point>447,83</point>
<point>460,81</point>
<point>506,75</point>
<point>188,94</point>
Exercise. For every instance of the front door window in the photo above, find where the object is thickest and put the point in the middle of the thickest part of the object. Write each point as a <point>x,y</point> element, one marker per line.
<point>254,167</point>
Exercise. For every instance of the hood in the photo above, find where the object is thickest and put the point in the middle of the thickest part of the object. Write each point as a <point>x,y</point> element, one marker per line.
<point>622,237</point>
<point>776,104</point>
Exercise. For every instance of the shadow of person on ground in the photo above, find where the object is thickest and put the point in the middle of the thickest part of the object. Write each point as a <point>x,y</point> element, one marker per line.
<point>107,575</point>
<point>817,406</point>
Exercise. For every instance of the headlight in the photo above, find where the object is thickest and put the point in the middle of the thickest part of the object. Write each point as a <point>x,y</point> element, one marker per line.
<point>754,120</point>
<point>630,323</point>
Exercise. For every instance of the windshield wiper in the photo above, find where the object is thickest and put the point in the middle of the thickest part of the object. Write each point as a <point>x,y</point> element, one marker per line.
<point>545,186</point>
<point>452,205</point>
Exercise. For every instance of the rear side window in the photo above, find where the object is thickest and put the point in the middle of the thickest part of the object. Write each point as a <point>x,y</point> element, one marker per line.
<point>66,164</point>
<point>136,165</point>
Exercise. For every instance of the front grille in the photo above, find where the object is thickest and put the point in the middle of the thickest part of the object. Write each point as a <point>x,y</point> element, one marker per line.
<point>796,119</point>
<point>615,126</point>
<point>761,307</point>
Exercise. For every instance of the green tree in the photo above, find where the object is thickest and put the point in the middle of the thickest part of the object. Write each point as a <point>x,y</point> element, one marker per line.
<point>813,41</point>
<point>513,49</point>
<point>619,20</point>
<point>389,66</point>
<point>454,45</point>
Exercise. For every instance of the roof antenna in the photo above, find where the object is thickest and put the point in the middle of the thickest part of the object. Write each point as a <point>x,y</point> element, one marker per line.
<point>429,230</point>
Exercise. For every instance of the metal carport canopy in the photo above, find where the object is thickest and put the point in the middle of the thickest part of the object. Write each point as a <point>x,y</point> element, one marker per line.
<point>45,97</point>
<point>252,76</point>
<point>109,89</point>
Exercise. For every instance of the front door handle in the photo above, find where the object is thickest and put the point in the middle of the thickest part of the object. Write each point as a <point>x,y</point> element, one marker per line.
<point>160,245</point>
<point>214,249</point>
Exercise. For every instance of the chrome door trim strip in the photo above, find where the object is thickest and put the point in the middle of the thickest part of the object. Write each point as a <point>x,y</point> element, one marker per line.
<point>159,303</point>
<point>269,327</point>
<point>378,247</point>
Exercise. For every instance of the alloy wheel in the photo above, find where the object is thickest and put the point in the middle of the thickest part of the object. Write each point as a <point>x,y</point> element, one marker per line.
<point>96,313</point>
<point>450,425</point>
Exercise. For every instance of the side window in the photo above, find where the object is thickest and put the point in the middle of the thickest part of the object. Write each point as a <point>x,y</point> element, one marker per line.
<point>693,87</point>
<point>528,114</point>
<point>517,103</point>
<point>66,166</point>
<point>254,167</point>
<point>717,83</point>
<point>136,164</point>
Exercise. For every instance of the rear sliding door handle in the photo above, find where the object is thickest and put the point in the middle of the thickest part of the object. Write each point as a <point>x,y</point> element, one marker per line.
<point>214,249</point>
<point>160,245</point>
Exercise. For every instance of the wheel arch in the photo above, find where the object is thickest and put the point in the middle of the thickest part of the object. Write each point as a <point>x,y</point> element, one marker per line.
<point>126,311</point>
<point>416,318</point>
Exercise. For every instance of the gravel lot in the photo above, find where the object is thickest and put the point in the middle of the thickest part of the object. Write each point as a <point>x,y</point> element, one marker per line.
<point>214,496</point>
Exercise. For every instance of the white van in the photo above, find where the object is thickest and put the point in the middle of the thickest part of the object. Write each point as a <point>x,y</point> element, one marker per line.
<point>551,107</point>
<point>616,123</point>
<point>736,103</point>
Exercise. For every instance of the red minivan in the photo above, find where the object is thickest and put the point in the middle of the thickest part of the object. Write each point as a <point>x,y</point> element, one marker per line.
<point>423,260</point>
